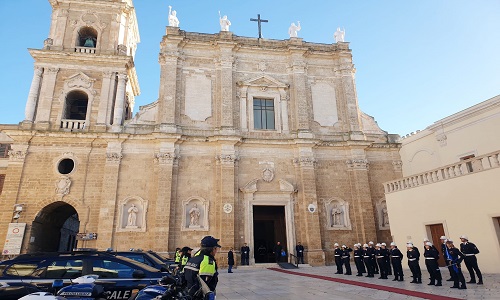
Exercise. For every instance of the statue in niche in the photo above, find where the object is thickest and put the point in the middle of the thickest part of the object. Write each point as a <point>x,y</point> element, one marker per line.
<point>385,216</point>
<point>132,216</point>
<point>194,214</point>
<point>337,215</point>
<point>293,29</point>
<point>224,23</point>
<point>339,35</point>
<point>172,17</point>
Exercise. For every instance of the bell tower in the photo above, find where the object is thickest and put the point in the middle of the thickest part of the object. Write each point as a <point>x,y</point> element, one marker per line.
<point>84,78</point>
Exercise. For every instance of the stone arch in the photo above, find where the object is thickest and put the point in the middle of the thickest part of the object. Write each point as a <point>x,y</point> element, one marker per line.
<point>132,214</point>
<point>337,214</point>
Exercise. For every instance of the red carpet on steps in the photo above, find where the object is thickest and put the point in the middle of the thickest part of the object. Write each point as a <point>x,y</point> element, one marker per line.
<point>370,286</point>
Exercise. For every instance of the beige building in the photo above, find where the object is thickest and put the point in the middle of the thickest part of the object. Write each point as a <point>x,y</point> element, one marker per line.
<point>451,172</point>
<point>251,140</point>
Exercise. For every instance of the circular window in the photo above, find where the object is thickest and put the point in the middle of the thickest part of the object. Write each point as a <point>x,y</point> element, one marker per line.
<point>66,166</point>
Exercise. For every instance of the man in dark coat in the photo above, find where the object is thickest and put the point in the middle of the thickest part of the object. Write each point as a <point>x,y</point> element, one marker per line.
<point>300,253</point>
<point>346,259</point>
<point>470,250</point>
<point>230,260</point>
<point>431,262</point>
<point>396,261</point>
<point>413,256</point>
<point>277,251</point>
<point>338,258</point>
<point>358,259</point>
<point>245,254</point>
<point>368,260</point>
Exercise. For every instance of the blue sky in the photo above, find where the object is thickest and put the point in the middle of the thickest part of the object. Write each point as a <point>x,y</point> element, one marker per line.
<point>416,61</point>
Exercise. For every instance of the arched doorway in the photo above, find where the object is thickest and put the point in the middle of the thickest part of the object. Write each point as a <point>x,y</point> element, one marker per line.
<point>54,228</point>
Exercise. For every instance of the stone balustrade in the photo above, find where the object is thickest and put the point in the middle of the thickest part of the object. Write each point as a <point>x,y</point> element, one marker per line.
<point>72,124</point>
<point>85,50</point>
<point>462,168</point>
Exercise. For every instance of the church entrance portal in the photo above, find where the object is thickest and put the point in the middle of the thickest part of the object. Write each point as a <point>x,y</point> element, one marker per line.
<point>269,227</point>
<point>54,228</point>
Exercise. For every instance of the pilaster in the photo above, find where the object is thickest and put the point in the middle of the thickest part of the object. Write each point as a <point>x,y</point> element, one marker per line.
<point>298,91</point>
<point>120,102</point>
<point>311,233</point>
<point>109,199</point>
<point>225,78</point>
<point>45,99</point>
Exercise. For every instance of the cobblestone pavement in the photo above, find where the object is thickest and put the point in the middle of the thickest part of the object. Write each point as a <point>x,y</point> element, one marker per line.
<point>270,284</point>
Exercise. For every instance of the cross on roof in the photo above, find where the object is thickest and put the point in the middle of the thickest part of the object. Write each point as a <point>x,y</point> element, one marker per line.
<point>259,21</point>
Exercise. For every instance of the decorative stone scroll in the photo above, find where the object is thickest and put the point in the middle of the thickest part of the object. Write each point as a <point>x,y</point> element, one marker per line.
<point>357,164</point>
<point>226,159</point>
<point>113,157</point>
<point>195,214</point>
<point>337,214</point>
<point>166,157</point>
<point>132,214</point>
<point>397,165</point>
<point>16,155</point>
<point>268,174</point>
<point>382,215</point>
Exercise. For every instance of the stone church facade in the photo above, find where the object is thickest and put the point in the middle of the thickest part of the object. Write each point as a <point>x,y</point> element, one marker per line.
<point>251,140</point>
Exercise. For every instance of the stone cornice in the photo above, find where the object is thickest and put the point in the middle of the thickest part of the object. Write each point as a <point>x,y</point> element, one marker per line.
<point>66,57</point>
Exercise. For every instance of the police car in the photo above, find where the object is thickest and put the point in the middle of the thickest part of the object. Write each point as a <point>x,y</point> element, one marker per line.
<point>120,276</point>
<point>147,258</point>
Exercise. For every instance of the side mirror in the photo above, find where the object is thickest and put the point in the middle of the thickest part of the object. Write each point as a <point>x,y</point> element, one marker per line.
<point>138,274</point>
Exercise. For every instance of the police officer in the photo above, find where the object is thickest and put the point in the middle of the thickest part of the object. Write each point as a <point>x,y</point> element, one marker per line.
<point>413,257</point>
<point>346,259</point>
<point>396,260</point>
<point>446,256</point>
<point>185,256</point>
<point>456,259</point>
<point>388,270</point>
<point>381,253</point>
<point>374,260</point>
<point>178,256</point>
<point>358,259</point>
<point>368,260</point>
<point>470,250</point>
<point>203,264</point>
<point>431,262</point>
<point>245,254</point>
<point>300,253</point>
<point>338,258</point>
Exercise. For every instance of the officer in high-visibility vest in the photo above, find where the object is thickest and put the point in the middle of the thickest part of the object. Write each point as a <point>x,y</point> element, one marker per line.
<point>203,265</point>
<point>178,256</point>
<point>185,256</point>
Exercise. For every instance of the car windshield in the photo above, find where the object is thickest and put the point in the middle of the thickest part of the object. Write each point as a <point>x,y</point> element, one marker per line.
<point>138,264</point>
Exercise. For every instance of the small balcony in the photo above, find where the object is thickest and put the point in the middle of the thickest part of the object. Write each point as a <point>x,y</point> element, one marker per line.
<point>85,50</point>
<point>73,125</point>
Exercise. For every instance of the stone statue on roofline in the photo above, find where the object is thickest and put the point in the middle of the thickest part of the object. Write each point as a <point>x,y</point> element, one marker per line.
<point>294,29</point>
<point>172,17</point>
<point>339,35</point>
<point>224,23</point>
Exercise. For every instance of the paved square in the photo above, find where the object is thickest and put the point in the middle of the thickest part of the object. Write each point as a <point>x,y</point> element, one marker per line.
<point>271,284</point>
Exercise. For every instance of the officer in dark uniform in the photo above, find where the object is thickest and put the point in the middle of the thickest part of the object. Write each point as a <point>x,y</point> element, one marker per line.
<point>374,260</point>
<point>185,256</point>
<point>396,260</point>
<point>338,258</point>
<point>245,254</point>
<point>205,265</point>
<point>431,262</point>
<point>470,250</point>
<point>444,251</point>
<point>346,259</point>
<point>368,254</point>
<point>178,256</point>
<point>300,253</point>
<point>381,254</point>
<point>358,259</point>
<point>413,257</point>
<point>456,259</point>
<point>388,269</point>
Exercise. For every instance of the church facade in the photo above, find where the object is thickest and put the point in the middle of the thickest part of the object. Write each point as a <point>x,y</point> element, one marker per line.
<point>251,140</point>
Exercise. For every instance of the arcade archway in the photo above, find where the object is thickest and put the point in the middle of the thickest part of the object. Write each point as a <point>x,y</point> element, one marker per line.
<point>54,228</point>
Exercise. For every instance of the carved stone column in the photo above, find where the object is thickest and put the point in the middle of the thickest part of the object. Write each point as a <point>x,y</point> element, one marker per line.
<point>10,192</point>
<point>166,161</point>
<point>108,202</point>
<point>103,115</point>
<point>226,193</point>
<point>299,93</point>
<point>46,98</point>
<point>29,112</point>
<point>363,215</point>
<point>309,230</point>
<point>120,101</point>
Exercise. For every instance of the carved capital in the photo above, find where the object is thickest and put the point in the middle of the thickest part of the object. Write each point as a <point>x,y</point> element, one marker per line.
<point>113,157</point>
<point>357,164</point>
<point>123,77</point>
<point>305,161</point>
<point>38,71</point>
<point>166,157</point>
<point>226,159</point>
<point>17,155</point>
<point>52,71</point>
<point>397,165</point>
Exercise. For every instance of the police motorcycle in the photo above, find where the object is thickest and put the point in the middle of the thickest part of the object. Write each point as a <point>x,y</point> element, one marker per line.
<point>170,287</point>
<point>81,288</point>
